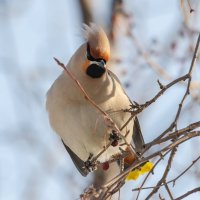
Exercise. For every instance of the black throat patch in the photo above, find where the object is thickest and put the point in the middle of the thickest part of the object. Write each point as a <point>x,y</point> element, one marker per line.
<point>95,71</point>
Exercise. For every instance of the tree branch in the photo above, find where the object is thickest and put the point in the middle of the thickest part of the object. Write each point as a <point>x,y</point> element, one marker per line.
<point>188,193</point>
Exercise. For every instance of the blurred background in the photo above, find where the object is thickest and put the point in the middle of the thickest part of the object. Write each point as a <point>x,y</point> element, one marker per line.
<point>150,40</point>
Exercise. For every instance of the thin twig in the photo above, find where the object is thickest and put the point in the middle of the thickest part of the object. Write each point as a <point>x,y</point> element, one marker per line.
<point>189,77</point>
<point>179,133</point>
<point>157,153</point>
<point>171,181</point>
<point>168,190</point>
<point>191,9</point>
<point>163,179</point>
<point>86,8</point>
<point>145,179</point>
<point>188,193</point>
<point>152,64</point>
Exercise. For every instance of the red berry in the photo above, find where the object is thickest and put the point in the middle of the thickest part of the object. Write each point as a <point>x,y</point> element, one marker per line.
<point>114,143</point>
<point>105,166</point>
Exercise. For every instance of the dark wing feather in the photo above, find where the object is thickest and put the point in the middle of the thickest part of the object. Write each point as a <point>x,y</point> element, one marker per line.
<point>138,139</point>
<point>137,133</point>
<point>80,165</point>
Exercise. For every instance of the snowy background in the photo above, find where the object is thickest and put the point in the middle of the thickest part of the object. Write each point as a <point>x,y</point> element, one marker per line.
<point>33,163</point>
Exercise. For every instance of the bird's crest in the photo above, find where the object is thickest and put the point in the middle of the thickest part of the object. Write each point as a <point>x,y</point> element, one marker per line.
<point>98,41</point>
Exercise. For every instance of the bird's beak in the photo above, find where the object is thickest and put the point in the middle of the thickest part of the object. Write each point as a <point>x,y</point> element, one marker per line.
<point>102,64</point>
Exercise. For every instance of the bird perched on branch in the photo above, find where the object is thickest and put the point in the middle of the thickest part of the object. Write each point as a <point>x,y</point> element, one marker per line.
<point>83,128</point>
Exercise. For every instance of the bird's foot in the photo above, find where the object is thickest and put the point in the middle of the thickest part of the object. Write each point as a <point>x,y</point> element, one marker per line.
<point>90,164</point>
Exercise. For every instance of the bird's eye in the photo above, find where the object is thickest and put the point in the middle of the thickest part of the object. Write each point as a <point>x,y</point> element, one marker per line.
<point>90,57</point>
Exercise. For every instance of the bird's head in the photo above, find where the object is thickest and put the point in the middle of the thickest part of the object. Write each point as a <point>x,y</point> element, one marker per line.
<point>95,53</point>
<point>98,51</point>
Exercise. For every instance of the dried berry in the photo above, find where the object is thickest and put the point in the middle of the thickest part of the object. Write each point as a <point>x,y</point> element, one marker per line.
<point>105,166</point>
<point>114,143</point>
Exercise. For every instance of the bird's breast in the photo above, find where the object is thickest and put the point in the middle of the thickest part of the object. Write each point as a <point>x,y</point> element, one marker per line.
<point>82,126</point>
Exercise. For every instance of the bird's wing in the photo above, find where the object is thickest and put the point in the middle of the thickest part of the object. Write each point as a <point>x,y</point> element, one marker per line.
<point>137,137</point>
<point>80,165</point>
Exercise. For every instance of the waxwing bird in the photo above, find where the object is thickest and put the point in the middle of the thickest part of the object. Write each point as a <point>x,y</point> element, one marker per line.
<point>81,127</point>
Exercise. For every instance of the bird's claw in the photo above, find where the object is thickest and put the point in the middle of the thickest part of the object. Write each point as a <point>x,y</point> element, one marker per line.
<point>90,164</point>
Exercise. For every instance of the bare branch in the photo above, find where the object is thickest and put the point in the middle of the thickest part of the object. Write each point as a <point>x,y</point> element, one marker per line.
<point>178,133</point>
<point>157,153</point>
<point>168,190</point>
<point>188,193</point>
<point>187,92</point>
<point>145,179</point>
<point>163,179</point>
<point>173,180</point>
<point>86,9</point>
